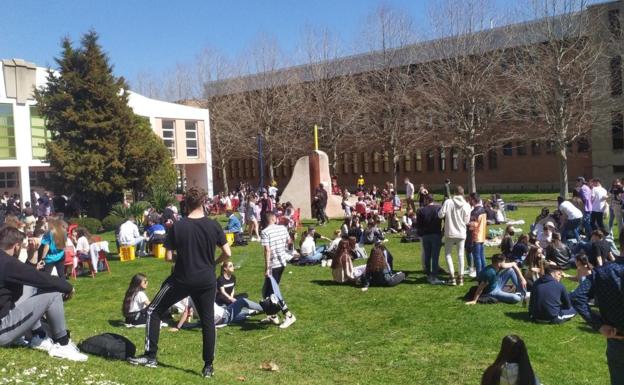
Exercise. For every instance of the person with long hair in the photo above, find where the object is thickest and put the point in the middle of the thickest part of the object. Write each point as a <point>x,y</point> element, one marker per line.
<point>378,271</point>
<point>507,243</point>
<point>535,265</point>
<point>53,248</point>
<point>251,217</point>
<point>512,365</point>
<point>342,264</point>
<point>583,269</point>
<point>135,303</point>
<point>558,252</point>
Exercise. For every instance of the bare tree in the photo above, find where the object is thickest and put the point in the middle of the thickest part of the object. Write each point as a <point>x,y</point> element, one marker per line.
<point>330,96</point>
<point>147,85</point>
<point>387,85</point>
<point>462,82</point>
<point>563,85</point>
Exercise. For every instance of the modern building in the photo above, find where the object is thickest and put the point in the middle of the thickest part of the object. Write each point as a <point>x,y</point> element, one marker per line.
<point>185,131</point>
<point>522,165</point>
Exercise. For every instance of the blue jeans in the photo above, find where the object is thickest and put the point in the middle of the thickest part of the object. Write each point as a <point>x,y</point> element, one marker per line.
<point>571,225</point>
<point>615,360</point>
<point>317,256</point>
<point>587,223</point>
<point>478,252</point>
<point>503,277</point>
<point>239,310</point>
<point>431,244</point>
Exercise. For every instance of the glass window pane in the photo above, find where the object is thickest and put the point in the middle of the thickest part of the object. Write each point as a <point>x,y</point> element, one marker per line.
<point>191,152</point>
<point>191,134</point>
<point>191,144</point>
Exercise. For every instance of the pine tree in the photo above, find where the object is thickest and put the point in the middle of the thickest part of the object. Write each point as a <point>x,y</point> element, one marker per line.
<point>97,141</point>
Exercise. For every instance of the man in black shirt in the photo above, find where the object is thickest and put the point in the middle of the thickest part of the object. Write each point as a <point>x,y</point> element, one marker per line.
<point>429,227</point>
<point>600,251</point>
<point>195,239</point>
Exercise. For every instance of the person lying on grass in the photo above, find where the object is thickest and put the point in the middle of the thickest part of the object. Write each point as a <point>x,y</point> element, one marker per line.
<point>493,279</point>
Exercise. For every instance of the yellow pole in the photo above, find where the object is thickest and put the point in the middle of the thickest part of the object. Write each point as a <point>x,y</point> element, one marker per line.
<point>315,137</point>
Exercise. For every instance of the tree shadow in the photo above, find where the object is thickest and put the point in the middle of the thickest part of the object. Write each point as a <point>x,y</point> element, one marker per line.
<point>519,316</point>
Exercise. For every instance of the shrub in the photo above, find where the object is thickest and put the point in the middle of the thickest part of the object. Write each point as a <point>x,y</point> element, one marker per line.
<point>111,222</point>
<point>92,224</point>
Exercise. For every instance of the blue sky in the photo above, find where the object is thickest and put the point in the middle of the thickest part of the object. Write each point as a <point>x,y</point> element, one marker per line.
<point>153,35</point>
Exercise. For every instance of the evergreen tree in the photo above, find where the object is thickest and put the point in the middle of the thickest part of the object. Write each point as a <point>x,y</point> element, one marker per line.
<point>98,144</point>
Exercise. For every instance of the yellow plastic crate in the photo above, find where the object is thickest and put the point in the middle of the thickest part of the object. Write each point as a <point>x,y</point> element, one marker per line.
<point>126,253</point>
<point>229,237</point>
<point>159,251</point>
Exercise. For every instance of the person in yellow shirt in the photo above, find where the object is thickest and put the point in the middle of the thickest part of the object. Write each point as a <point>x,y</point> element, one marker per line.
<point>360,183</point>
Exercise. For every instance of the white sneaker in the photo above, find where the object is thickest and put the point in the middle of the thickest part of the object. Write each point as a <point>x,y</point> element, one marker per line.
<point>472,274</point>
<point>68,352</point>
<point>288,321</point>
<point>271,319</point>
<point>46,344</point>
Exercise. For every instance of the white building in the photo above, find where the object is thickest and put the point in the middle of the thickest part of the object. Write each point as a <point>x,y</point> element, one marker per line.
<point>185,131</point>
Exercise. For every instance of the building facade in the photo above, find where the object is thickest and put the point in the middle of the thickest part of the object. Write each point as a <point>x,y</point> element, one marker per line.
<point>185,131</point>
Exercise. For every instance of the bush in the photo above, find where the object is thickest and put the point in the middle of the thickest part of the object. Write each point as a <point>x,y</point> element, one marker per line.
<point>111,222</point>
<point>92,224</point>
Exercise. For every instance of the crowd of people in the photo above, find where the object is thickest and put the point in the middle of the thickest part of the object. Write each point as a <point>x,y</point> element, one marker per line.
<point>529,266</point>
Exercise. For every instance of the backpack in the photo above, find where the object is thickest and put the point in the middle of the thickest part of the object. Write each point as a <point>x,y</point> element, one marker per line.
<point>108,345</point>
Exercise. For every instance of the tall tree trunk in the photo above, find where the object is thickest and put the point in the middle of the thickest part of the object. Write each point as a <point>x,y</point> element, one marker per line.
<point>224,175</point>
<point>563,170</point>
<point>334,161</point>
<point>395,168</point>
<point>271,171</point>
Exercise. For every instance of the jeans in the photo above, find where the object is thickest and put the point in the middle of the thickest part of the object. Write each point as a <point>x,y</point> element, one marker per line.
<point>615,360</point>
<point>317,256</point>
<point>449,243</point>
<point>587,223</point>
<point>138,242</point>
<point>239,310</point>
<point>503,296</point>
<point>478,252</point>
<point>431,244</point>
<point>571,225</point>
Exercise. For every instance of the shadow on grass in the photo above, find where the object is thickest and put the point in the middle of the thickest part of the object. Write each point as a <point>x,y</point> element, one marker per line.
<point>188,371</point>
<point>116,323</point>
<point>519,316</point>
<point>587,329</point>
<point>328,282</point>
<point>251,325</point>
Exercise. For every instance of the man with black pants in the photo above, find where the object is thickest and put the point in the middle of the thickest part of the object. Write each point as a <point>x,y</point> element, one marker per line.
<point>274,239</point>
<point>320,203</point>
<point>195,239</point>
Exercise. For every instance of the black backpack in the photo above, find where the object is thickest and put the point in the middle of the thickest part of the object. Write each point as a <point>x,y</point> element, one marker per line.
<point>108,345</point>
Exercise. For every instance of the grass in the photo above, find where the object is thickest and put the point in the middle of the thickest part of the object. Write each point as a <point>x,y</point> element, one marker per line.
<point>410,334</point>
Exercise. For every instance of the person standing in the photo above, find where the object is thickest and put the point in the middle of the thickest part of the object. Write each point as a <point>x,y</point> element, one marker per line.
<point>429,227</point>
<point>409,194</point>
<point>605,286</point>
<point>478,229</point>
<point>195,239</point>
<point>615,208</point>
<point>599,197</point>
<point>320,201</point>
<point>274,239</point>
<point>456,214</point>
<point>585,193</point>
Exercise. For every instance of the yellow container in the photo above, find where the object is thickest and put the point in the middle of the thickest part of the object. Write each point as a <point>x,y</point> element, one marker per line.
<point>159,251</point>
<point>229,237</point>
<point>126,253</point>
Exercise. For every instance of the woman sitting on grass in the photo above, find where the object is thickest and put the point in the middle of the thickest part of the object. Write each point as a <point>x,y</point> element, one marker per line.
<point>342,265</point>
<point>512,366</point>
<point>378,271</point>
<point>535,264</point>
<point>507,243</point>
<point>135,302</point>
<point>583,269</point>
<point>558,252</point>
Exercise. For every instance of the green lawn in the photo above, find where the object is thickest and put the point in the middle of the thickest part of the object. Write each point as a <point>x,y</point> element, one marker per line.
<point>411,334</point>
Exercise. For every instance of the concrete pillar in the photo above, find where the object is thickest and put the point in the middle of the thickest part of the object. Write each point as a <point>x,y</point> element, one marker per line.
<point>25,185</point>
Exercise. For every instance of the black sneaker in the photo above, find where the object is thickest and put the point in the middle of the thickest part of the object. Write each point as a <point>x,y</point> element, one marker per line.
<point>208,371</point>
<point>146,361</point>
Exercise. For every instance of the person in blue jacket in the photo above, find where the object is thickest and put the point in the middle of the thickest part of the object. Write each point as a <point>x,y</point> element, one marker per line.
<point>550,301</point>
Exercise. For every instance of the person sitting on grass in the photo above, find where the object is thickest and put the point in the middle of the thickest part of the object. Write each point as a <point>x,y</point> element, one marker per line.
<point>583,269</point>
<point>550,301</point>
<point>378,272</point>
<point>507,243</point>
<point>520,249</point>
<point>20,313</point>
<point>372,234</point>
<point>494,278</point>
<point>534,265</point>
<point>342,265</point>
<point>135,301</point>
<point>226,285</point>
<point>558,252</point>
<point>309,252</point>
<point>512,365</point>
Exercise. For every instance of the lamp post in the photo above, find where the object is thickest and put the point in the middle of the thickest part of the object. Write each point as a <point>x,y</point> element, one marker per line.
<point>260,140</point>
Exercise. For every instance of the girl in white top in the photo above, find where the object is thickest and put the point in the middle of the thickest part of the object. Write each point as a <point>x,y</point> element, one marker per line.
<point>135,302</point>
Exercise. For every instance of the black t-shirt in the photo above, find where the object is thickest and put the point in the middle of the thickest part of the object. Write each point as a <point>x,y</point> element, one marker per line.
<point>519,250</point>
<point>228,285</point>
<point>599,248</point>
<point>195,240</point>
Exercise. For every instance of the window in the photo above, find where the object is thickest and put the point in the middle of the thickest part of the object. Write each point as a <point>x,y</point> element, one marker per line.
<point>7,132</point>
<point>507,149</point>
<point>386,162</point>
<point>536,148</point>
<point>8,179</point>
<point>454,159</point>
<point>582,145</point>
<point>192,149</point>
<point>550,147</point>
<point>407,162</point>
<point>614,22</point>
<point>493,159</point>
<point>168,134</point>
<point>356,166</point>
<point>442,161</point>
<point>39,134</point>
<point>616,76</point>
<point>617,131</point>
<point>522,149</point>
<point>39,178</point>
<point>418,161</point>
<point>479,162</point>
<point>430,161</point>
<point>345,163</point>
<point>366,160</point>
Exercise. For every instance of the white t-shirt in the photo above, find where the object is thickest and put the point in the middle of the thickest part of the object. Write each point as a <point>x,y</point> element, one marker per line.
<point>128,232</point>
<point>308,247</point>
<point>82,245</point>
<point>138,302</point>
<point>409,190</point>
<point>570,211</point>
<point>598,204</point>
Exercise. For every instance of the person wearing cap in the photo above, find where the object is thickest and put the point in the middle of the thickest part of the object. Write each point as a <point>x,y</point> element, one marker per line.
<point>550,301</point>
<point>585,193</point>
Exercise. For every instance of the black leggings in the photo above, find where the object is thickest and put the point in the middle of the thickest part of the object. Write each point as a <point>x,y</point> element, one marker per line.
<point>170,293</point>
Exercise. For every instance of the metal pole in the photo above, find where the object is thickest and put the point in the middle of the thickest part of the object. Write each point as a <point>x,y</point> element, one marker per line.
<point>315,137</point>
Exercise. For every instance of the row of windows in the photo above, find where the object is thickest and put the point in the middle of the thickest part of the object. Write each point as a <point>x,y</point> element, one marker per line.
<point>190,133</point>
<point>40,135</point>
